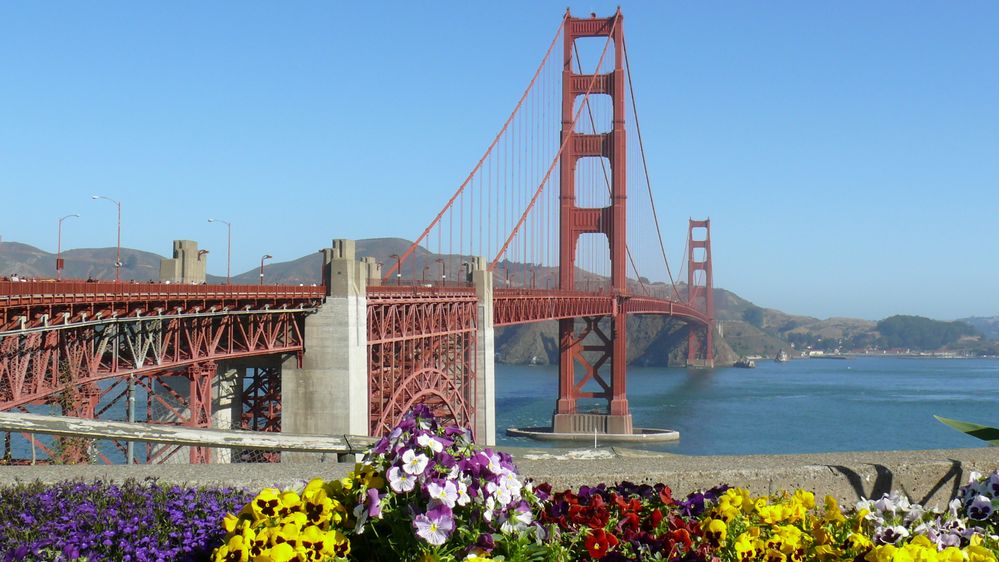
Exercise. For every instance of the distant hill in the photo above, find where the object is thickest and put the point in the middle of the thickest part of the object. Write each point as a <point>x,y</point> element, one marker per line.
<point>28,261</point>
<point>988,326</point>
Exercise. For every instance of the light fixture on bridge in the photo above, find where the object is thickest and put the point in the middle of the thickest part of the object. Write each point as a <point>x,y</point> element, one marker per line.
<point>398,268</point>
<point>117,259</point>
<point>228,247</point>
<point>443,270</point>
<point>264,257</point>
<point>59,262</point>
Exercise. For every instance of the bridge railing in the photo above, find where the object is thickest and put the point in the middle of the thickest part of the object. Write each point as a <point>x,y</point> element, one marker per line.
<point>436,290</point>
<point>28,292</point>
<point>238,441</point>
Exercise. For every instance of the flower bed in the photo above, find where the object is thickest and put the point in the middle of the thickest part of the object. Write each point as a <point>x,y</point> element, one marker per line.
<point>135,521</point>
<point>426,493</point>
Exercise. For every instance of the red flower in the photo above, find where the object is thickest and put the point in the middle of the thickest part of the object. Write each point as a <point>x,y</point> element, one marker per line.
<point>599,542</point>
<point>681,536</point>
<point>666,495</point>
<point>657,518</point>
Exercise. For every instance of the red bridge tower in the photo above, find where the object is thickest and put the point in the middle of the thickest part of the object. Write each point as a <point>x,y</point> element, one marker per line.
<point>700,294</point>
<point>609,221</point>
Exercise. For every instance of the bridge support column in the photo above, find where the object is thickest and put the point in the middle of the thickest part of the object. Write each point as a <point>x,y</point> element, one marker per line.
<point>227,404</point>
<point>326,391</point>
<point>485,357</point>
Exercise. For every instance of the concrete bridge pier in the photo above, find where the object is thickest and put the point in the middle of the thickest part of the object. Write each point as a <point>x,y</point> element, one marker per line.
<point>227,404</point>
<point>327,393</point>
<point>485,356</point>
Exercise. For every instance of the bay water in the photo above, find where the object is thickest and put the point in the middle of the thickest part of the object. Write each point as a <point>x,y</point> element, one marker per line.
<point>801,406</point>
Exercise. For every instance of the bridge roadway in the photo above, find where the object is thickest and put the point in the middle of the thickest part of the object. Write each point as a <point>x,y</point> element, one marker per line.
<point>56,336</point>
<point>44,305</point>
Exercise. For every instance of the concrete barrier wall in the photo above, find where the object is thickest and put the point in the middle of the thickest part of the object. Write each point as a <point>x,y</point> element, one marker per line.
<point>929,477</point>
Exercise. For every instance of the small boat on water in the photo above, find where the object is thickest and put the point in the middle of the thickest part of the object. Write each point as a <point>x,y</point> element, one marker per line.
<point>781,357</point>
<point>745,363</point>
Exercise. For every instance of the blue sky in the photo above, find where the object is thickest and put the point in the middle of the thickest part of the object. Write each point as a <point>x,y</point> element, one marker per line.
<point>846,152</point>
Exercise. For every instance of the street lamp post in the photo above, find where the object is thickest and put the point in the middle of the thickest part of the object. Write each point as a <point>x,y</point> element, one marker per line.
<point>264,257</point>
<point>117,259</point>
<point>398,268</point>
<point>423,276</point>
<point>228,247</point>
<point>443,270</point>
<point>59,247</point>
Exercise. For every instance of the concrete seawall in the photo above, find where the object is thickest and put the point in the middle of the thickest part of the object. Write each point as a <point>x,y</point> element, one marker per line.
<point>930,477</point>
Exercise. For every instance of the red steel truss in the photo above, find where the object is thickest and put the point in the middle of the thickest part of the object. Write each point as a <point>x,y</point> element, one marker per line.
<point>421,349</point>
<point>518,306</point>
<point>25,305</point>
<point>76,345</point>
<point>40,362</point>
<point>261,407</point>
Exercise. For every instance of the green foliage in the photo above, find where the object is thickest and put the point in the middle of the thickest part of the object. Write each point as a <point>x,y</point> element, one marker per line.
<point>753,315</point>
<point>916,332</point>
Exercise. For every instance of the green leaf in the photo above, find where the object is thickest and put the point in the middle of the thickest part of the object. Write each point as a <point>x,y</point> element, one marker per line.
<point>983,432</point>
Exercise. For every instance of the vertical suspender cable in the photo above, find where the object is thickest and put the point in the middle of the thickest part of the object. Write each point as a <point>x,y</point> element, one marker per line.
<point>489,150</point>
<point>645,167</point>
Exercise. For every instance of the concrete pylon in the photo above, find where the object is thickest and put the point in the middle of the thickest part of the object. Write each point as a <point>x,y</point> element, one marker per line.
<point>485,357</point>
<point>327,394</point>
<point>372,271</point>
<point>187,266</point>
<point>227,404</point>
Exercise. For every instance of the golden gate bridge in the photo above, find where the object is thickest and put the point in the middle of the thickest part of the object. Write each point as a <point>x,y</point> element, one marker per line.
<point>538,231</point>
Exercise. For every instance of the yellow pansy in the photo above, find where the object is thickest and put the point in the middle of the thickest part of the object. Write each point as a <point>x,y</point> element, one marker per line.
<point>235,524</point>
<point>370,477</point>
<point>347,483</point>
<point>283,552</point>
<point>832,513</point>
<point>826,552</point>
<point>746,548</point>
<point>260,544</point>
<point>775,556</point>
<point>237,549</point>
<point>978,553</point>
<point>286,534</point>
<point>859,541</point>
<point>805,498</point>
<point>267,503</point>
<point>790,536</point>
<point>858,519</point>
<point>316,544</point>
<point>882,553</point>
<point>715,531</point>
<point>950,554</point>
<point>771,514</point>
<point>341,544</point>
<point>290,502</point>
<point>737,498</point>
<point>820,533</point>
<point>296,519</point>
<point>759,504</point>
<point>317,506</point>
